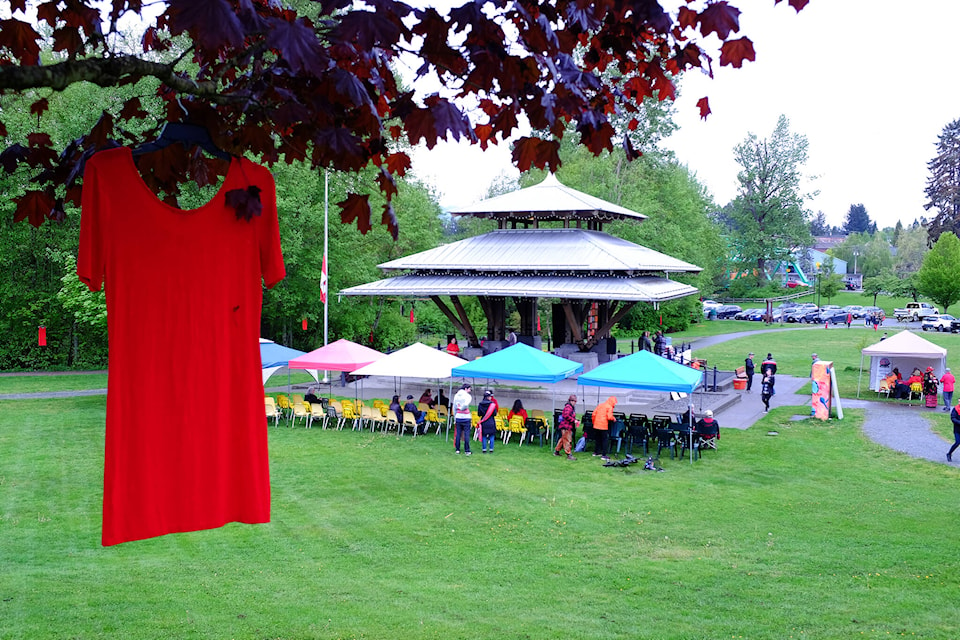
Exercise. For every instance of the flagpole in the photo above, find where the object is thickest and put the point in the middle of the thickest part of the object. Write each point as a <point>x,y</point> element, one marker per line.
<point>326,198</point>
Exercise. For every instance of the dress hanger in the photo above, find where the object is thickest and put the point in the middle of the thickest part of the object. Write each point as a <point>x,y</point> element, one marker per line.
<point>184,133</point>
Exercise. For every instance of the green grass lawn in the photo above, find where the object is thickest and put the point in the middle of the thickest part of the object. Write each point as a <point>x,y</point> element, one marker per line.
<point>39,383</point>
<point>815,533</point>
<point>792,349</point>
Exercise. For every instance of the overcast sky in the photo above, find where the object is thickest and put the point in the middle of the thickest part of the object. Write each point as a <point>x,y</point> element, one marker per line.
<point>870,83</point>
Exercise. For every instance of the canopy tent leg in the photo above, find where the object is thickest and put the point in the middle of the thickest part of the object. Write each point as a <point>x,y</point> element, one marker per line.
<point>859,377</point>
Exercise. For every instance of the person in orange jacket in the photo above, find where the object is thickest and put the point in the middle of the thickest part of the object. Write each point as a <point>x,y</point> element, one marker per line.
<point>602,417</point>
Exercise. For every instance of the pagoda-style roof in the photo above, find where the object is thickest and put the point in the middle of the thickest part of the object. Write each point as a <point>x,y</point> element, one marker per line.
<point>548,201</point>
<point>530,252</point>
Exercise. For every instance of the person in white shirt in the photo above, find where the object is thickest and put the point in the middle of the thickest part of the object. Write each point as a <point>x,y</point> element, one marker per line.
<point>461,418</point>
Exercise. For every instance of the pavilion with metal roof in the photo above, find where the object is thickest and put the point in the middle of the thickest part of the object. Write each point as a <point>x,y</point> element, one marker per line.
<point>595,278</point>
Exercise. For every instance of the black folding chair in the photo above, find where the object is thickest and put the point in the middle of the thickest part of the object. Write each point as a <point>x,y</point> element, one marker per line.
<point>666,440</point>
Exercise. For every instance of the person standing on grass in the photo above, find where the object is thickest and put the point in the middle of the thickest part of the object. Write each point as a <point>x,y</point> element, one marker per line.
<point>602,417</point>
<point>487,410</point>
<point>849,319</point>
<point>461,418</point>
<point>947,382</point>
<point>750,369</point>
<point>955,419</point>
<point>568,422</point>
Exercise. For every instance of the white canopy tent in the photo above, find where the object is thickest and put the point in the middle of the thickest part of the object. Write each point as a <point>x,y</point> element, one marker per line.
<point>902,351</point>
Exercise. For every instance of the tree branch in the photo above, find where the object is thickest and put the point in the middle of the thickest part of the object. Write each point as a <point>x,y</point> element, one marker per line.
<point>104,72</point>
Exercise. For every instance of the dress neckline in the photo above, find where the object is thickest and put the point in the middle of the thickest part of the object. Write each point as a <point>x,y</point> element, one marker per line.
<point>128,154</point>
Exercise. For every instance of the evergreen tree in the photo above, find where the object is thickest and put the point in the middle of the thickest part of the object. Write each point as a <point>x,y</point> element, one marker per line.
<point>943,185</point>
<point>858,220</point>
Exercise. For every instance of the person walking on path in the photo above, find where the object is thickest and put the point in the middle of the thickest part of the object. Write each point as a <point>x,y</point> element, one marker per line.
<point>568,422</point>
<point>849,319</point>
<point>748,365</point>
<point>461,418</point>
<point>769,365</point>
<point>487,410</point>
<point>947,382</point>
<point>955,419</point>
<point>602,417</point>
<point>766,389</point>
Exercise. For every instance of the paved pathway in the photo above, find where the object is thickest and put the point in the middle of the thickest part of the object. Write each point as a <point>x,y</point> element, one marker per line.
<point>901,428</point>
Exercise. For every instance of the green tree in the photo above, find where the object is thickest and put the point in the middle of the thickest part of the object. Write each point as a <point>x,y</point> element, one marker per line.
<point>939,277</point>
<point>767,218</point>
<point>943,185</point>
<point>911,247</point>
<point>830,284</point>
<point>858,220</point>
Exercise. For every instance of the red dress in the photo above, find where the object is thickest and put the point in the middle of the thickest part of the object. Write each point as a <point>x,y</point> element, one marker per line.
<point>186,433</point>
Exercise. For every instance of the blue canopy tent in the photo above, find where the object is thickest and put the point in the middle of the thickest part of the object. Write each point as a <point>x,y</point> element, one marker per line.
<point>274,356</point>
<point>521,362</point>
<point>644,370</point>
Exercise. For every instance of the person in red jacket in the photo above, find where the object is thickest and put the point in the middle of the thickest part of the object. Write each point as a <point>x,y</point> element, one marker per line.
<point>602,417</point>
<point>568,422</point>
<point>947,381</point>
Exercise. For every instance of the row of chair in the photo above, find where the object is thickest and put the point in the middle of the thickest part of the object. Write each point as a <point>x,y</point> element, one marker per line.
<point>338,414</point>
<point>660,430</point>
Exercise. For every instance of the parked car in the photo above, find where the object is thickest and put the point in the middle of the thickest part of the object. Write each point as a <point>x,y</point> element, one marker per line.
<point>855,310</point>
<point>915,311</point>
<point>837,316</point>
<point>710,305</point>
<point>830,307</point>
<point>811,317</point>
<point>941,322</point>
<point>756,315</point>
<point>727,311</point>
<point>795,314</point>
<point>745,314</point>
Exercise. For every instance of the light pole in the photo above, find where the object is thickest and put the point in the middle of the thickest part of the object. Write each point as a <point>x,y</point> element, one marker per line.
<point>817,276</point>
<point>855,255</point>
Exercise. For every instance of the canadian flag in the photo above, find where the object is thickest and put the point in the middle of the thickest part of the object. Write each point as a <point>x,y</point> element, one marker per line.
<point>323,281</point>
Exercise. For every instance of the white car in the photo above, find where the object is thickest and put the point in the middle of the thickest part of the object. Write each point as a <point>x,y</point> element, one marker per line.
<point>942,322</point>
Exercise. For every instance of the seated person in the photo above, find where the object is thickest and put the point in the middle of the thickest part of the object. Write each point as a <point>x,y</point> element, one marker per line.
<point>427,399</point>
<point>312,396</point>
<point>395,407</point>
<point>442,400</point>
<point>708,427</point>
<point>517,410</point>
<point>418,415</point>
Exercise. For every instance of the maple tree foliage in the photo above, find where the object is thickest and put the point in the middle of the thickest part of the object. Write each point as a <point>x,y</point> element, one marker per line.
<point>322,87</point>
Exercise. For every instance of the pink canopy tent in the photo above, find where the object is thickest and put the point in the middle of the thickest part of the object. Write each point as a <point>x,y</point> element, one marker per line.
<point>341,355</point>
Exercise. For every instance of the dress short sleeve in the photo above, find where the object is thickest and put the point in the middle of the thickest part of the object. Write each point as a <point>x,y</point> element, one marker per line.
<point>90,255</point>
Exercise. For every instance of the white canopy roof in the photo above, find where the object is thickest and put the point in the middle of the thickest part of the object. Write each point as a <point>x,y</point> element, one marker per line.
<point>903,351</point>
<point>416,361</point>
<point>905,344</point>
